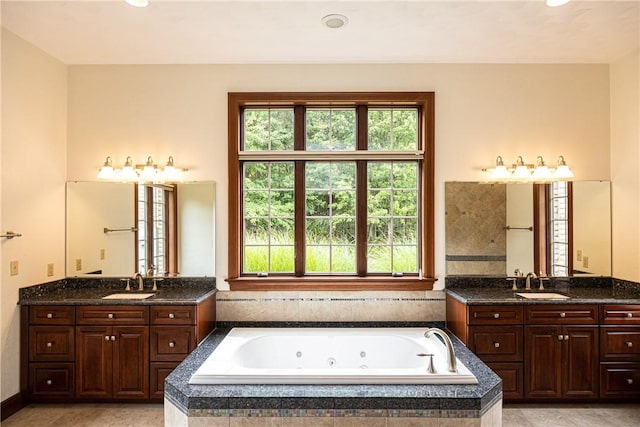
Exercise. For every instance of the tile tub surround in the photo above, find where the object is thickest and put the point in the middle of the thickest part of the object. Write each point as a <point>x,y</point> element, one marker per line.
<point>581,290</point>
<point>77,291</point>
<point>216,404</point>
<point>330,306</point>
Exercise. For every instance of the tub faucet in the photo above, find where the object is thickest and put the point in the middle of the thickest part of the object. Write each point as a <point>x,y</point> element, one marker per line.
<point>528,280</point>
<point>140,281</point>
<point>451,354</point>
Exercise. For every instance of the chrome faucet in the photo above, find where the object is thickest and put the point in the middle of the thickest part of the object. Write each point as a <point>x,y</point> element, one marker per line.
<point>140,281</point>
<point>451,354</point>
<point>528,280</point>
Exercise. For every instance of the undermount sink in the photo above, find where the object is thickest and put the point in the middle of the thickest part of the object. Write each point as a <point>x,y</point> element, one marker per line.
<point>128,296</point>
<point>542,295</point>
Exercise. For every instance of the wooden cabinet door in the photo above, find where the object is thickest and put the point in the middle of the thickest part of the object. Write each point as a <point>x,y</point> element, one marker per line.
<point>543,357</point>
<point>93,362</point>
<point>130,362</point>
<point>580,362</point>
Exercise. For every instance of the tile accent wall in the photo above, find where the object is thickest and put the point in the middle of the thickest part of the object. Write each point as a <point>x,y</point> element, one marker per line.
<point>330,306</point>
<point>475,217</point>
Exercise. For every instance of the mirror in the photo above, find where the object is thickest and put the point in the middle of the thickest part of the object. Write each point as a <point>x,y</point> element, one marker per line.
<point>93,207</point>
<point>490,229</point>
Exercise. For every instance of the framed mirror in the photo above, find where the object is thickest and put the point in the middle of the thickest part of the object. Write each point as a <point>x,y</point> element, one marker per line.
<point>117,229</point>
<point>492,229</point>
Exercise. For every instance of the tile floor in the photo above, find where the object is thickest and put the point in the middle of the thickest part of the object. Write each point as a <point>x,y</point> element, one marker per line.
<point>136,415</point>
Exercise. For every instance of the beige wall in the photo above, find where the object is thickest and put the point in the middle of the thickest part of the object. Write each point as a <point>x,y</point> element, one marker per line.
<point>625,173</point>
<point>34,91</point>
<point>481,111</point>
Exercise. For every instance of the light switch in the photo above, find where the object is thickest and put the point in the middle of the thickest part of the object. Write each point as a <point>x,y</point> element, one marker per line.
<point>13,268</point>
<point>78,264</point>
<point>50,269</point>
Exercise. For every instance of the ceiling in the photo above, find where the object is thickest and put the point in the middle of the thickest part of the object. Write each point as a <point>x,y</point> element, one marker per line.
<point>272,31</point>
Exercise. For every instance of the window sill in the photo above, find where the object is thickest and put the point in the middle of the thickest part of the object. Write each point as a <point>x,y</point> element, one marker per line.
<point>331,283</point>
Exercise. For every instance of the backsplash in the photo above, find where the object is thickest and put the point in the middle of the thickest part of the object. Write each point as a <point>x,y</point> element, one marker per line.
<point>330,306</point>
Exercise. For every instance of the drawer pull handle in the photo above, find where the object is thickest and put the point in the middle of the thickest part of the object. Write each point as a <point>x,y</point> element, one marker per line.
<point>566,337</point>
<point>563,314</point>
<point>49,315</point>
<point>629,315</point>
<point>171,315</point>
<point>496,315</point>
<point>106,337</point>
<point>629,381</point>
<point>49,382</point>
<point>113,337</point>
<point>172,344</point>
<point>496,344</point>
<point>560,338</point>
<point>629,344</point>
<point>50,344</point>
<point>110,315</point>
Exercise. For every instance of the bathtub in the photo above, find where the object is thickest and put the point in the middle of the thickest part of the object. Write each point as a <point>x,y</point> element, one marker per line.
<point>329,356</point>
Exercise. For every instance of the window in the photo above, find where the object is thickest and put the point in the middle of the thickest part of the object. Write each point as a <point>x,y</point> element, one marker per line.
<point>553,229</point>
<point>558,228</point>
<point>331,191</point>
<point>156,234</point>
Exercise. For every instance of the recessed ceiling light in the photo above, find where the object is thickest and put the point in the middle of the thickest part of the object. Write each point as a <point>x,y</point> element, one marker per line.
<point>555,3</point>
<point>137,3</point>
<point>335,21</point>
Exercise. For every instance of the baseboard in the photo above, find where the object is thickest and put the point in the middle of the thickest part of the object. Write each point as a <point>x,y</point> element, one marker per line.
<point>10,406</point>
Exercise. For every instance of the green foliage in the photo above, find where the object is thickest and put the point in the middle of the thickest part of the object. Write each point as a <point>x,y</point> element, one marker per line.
<point>330,198</point>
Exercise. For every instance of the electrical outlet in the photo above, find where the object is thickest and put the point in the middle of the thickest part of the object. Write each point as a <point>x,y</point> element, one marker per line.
<point>101,253</point>
<point>579,255</point>
<point>50,269</point>
<point>585,261</point>
<point>78,264</point>
<point>13,268</point>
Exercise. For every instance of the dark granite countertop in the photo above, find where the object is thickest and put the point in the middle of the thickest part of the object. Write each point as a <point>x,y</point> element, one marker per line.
<point>89,291</point>
<point>371,396</point>
<point>485,291</point>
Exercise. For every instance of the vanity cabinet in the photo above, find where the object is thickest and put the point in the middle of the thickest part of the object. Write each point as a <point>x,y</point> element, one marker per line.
<point>620,351</point>
<point>561,347</point>
<point>112,358</point>
<point>173,337</point>
<point>51,353</point>
<point>551,351</point>
<point>107,352</point>
<point>495,334</point>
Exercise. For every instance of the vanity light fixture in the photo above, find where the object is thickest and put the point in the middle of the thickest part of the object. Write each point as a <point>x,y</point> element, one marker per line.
<point>522,172</point>
<point>106,171</point>
<point>149,172</point>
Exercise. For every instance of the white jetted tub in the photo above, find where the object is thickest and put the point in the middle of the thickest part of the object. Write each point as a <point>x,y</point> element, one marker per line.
<point>329,356</point>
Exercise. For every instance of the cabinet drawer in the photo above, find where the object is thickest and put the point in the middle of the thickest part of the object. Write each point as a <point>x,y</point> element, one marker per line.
<point>159,372</point>
<point>620,380</point>
<point>620,343</point>
<point>51,315</point>
<point>497,343</point>
<point>512,375</point>
<point>173,315</point>
<point>51,381</point>
<point>561,314</point>
<point>495,314</point>
<point>621,314</point>
<point>51,343</point>
<point>172,343</point>
<point>113,315</point>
